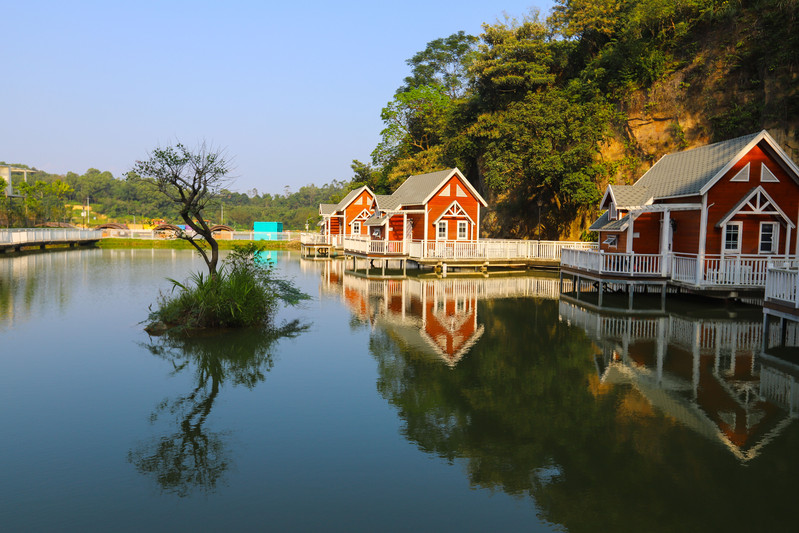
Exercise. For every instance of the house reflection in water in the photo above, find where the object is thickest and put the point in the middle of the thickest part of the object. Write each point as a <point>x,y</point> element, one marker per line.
<point>779,373</point>
<point>433,316</point>
<point>708,374</point>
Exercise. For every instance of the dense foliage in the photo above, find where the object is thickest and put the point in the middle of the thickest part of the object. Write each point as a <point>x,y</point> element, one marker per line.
<point>537,110</point>
<point>528,109</point>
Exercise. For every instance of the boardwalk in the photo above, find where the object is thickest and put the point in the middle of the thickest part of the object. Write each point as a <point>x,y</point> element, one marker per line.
<point>17,239</point>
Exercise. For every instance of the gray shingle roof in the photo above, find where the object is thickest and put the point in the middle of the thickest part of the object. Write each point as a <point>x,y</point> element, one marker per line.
<point>416,189</point>
<point>327,209</point>
<point>685,173</point>
<point>630,195</point>
<point>375,220</point>
<point>603,223</point>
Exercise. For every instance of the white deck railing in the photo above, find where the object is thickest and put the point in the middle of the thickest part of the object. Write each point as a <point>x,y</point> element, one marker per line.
<point>37,236</point>
<point>618,264</point>
<point>466,250</point>
<point>711,271</point>
<point>782,284</point>
<point>318,238</point>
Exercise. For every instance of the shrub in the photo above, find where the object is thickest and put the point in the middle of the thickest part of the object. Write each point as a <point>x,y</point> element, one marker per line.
<point>244,293</point>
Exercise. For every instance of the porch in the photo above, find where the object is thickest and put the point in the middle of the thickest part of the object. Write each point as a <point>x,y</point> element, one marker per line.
<point>708,272</point>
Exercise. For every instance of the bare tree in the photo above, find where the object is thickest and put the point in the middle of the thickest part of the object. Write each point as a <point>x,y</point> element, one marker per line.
<point>190,179</point>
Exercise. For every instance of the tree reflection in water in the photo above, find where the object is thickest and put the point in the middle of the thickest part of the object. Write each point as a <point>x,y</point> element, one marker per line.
<point>194,458</point>
<point>523,413</point>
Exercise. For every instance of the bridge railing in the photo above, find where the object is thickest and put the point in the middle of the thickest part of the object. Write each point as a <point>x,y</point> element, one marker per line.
<point>37,235</point>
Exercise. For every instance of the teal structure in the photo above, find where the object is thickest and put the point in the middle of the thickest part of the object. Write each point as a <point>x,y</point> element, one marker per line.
<point>267,231</point>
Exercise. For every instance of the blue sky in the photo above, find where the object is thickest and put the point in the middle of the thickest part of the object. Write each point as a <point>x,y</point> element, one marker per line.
<point>292,90</point>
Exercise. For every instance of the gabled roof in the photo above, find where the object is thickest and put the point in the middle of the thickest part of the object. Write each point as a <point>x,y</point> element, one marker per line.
<point>692,172</point>
<point>603,223</point>
<point>418,189</point>
<point>327,209</point>
<point>351,196</point>
<point>687,173</point>
<point>626,196</point>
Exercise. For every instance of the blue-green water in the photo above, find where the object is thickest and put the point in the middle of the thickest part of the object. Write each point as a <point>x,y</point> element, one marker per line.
<point>422,404</point>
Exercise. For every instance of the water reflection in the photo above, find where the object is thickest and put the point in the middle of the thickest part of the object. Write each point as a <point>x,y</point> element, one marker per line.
<point>436,317</point>
<point>703,372</point>
<point>194,457</point>
<point>606,423</point>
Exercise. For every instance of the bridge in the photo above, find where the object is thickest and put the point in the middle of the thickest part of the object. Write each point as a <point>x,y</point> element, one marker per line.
<point>16,239</point>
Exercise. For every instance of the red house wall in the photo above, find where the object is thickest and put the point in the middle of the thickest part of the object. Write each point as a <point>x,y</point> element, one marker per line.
<point>439,204</point>
<point>725,194</point>
<point>351,212</point>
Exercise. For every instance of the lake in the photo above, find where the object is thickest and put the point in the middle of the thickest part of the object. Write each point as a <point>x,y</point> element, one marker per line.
<point>473,404</point>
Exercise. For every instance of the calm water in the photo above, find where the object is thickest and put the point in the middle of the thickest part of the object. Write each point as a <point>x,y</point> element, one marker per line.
<point>416,404</point>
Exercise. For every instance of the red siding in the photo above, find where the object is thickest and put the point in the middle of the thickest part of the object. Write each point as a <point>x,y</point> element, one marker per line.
<point>726,194</point>
<point>439,204</point>
<point>356,207</point>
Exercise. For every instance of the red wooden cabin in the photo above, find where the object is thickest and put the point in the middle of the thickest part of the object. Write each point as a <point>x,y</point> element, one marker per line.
<point>711,216</point>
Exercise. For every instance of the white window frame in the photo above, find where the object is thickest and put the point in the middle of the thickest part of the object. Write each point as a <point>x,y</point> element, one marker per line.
<point>740,233</point>
<point>356,227</point>
<point>775,238</point>
<point>463,230</point>
<point>442,224</point>
<point>612,215</point>
<point>611,241</point>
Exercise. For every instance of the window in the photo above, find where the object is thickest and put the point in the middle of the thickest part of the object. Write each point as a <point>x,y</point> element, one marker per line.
<point>769,233</point>
<point>441,234</point>
<point>611,241</point>
<point>463,230</point>
<point>356,228</point>
<point>612,212</point>
<point>732,236</point>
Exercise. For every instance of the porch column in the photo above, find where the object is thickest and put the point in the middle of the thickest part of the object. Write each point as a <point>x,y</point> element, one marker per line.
<point>665,230</point>
<point>426,223</point>
<point>630,234</point>
<point>787,241</point>
<point>404,233</point>
<point>700,255</point>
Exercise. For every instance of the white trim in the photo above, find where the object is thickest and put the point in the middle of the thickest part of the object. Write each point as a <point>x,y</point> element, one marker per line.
<point>775,237</point>
<point>463,180</point>
<point>465,230</point>
<point>762,136</point>
<point>766,175</point>
<point>759,209</point>
<point>608,192</point>
<point>742,175</point>
<point>438,230</point>
<point>357,195</point>
<point>353,224</point>
<point>446,213</point>
<point>724,249</point>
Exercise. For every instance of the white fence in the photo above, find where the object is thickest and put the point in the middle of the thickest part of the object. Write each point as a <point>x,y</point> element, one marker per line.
<point>783,284</point>
<point>219,235</point>
<point>23,237</point>
<point>711,271</point>
<point>484,249</point>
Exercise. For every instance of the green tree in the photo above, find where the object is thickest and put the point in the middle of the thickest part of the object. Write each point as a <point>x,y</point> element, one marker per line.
<point>443,63</point>
<point>190,179</point>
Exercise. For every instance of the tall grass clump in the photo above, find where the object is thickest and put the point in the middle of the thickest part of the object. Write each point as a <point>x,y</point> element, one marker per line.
<point>245,292</point>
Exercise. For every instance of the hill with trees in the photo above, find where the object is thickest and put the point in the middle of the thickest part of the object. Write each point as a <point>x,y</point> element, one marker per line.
<point>537,110</point>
